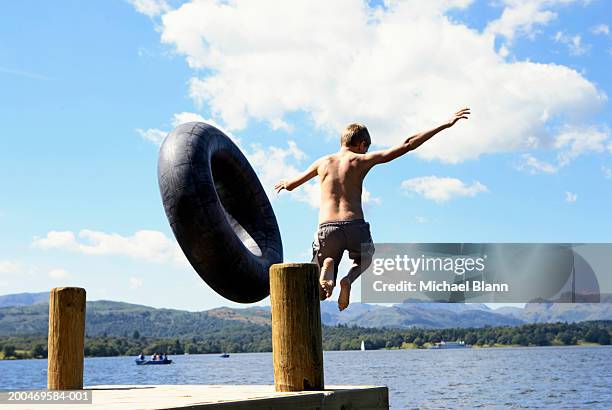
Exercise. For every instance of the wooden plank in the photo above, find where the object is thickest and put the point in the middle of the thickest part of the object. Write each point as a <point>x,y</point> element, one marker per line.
<point>66,338</point>
<point>296,327</point>
<point>258,397</point>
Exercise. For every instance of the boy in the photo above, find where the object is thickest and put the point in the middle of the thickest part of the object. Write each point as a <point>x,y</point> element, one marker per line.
<point>341,223</point>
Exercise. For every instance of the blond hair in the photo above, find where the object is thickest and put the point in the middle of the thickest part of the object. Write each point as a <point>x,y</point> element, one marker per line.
<point>354,134</point>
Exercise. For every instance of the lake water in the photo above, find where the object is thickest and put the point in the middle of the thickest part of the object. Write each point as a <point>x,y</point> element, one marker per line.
<point>539,377</point>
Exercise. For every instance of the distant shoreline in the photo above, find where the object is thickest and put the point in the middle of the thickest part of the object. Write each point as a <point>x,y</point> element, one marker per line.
<point>582,345</point>
<point>219,336</point>
<point>405,347</point>
<point>497,346</point>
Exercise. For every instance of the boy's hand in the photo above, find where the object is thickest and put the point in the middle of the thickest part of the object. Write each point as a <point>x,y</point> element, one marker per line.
<point>462,113</point>
<point>280,185</point>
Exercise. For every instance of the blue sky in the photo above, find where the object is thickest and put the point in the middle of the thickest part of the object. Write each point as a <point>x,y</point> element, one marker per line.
<point>89,88</point>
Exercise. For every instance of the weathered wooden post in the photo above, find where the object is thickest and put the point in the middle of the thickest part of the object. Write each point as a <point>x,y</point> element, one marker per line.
<point>66,338</point>
<point>296,327</point>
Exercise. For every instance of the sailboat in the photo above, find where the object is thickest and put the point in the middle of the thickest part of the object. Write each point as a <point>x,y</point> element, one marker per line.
<point>362,346</point>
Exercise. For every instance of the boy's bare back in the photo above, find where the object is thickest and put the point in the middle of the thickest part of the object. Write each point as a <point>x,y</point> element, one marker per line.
<point>341,178</point>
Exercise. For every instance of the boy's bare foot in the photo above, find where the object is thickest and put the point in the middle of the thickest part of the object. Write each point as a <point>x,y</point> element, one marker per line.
<point>345,294</point>
<point>326,279</point>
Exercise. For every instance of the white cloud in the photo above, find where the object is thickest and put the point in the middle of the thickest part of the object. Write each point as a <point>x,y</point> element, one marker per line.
<point>573,43</point>
<point>9,267</point>
<point>521,18</point>
<point>573,142</point>
<point>278,124</point>
<point>442,189</point>
<point>183,117</point>
<point>600,29</point>
<point>15,274</point>
<point>421,219</point>
<point>533,165</point>
<point>273,164</point>
<point>309,193</point>
<point>606,171</point>
<point>152,135</point>
<point>367,198</point>
<point>150,8</point>
<point>504,51</point>
<point>58,273</point>
<point>570,197</point>
<point>570,143</point>
<point>135,282</point>
<point>365,66</point>
<point>151,246</point>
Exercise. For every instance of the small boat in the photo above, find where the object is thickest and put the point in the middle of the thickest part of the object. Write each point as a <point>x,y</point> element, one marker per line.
<point>225,355</point>
<point>143,362</point>
<point>450,345</point>
<point>362,346</point>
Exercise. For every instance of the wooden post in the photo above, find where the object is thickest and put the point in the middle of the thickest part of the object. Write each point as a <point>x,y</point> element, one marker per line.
<point>66,338</point>
<point>296,327</point>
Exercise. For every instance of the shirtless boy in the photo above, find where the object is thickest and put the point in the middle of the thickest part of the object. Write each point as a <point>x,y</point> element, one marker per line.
<point>341,223</point>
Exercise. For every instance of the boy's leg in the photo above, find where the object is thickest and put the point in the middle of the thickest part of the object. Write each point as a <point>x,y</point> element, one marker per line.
<point>361,250</point>
<point>326,278</point>
<point>327,253</point>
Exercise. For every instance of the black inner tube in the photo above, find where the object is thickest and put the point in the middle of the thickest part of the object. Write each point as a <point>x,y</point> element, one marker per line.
<point>233,191</point>
<point>219,211</point>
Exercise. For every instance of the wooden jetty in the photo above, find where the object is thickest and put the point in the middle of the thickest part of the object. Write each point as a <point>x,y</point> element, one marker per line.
<point>257,397</point>
<point>297,355</point>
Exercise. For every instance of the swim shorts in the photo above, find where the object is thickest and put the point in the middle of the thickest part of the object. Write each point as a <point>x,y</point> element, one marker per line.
<point>334,237</point>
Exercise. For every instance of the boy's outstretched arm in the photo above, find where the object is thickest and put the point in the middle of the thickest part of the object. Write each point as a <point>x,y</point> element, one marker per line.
<point>413,142</point>
<point>291,184</point>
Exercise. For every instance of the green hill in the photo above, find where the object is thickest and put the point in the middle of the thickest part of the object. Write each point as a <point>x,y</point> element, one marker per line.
<point>23,299</point>
<point>117,328</point>
<point>123,319</point>
<point>30,317</point>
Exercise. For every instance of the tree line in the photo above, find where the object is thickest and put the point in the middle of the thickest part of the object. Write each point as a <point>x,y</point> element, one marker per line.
<point>340,337</point>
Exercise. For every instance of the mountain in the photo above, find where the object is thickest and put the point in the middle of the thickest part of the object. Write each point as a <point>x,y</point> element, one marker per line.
<point>119,319</point>
<point>331,316</point>
<point>510,311</point>
<point>28,314</point>
<point>426,315</point>
<point>23,299</point>
<point>565,312</point>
